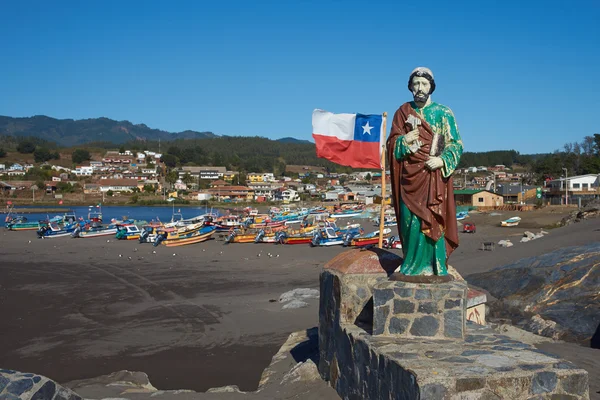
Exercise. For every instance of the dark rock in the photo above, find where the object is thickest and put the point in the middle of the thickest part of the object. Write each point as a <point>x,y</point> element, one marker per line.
<point>8,396</point>
<point>37,379</point>
<point>463,385</point>
<point>505,369</point>
<point>404,292</point>
<point>19,387</point>
<point>7,371</point>
<point>474,338</point>
<point>427,308</point>
<point>502,348</point>
<point>565,365</point>
<point>3,383</point>
<point>452,303</point>
<point>362,292</point>
<point>531,367</point>
<point>45,392</point>
<point>382,296</point>
<point>398,325</point>
<point>422,294</point>
<point>456,359</point>
<point>27,375</point>
<point>575,384</point>
<point>379,319</point>
<point>453,324</point>
<point>467,353</point>
<point>433,391</point>
<point>403,307</point>
<point>404,356</point>
<point>543,382</point>
<point>425,326</point>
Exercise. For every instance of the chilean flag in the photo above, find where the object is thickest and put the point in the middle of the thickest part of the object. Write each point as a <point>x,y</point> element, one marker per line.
<point>354,140</point>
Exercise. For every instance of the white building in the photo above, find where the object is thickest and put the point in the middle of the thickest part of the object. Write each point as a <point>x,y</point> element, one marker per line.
<point>83,171</point>
<point>2,167</point>
<point>579,183</point>
<point>118,185</point>
<point>289,195</point>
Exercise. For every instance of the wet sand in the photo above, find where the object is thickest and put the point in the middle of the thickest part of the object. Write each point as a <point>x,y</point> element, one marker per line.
<point>194,317</point>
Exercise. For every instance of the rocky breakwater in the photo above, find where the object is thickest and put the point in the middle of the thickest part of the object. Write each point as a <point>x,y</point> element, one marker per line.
<point>554,295</point>
<point>17,385</point>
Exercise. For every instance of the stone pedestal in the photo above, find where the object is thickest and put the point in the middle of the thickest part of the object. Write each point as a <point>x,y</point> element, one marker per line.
<point>436,310</point>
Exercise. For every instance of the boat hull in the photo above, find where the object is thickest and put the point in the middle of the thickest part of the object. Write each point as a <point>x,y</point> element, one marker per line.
<point>191,240</point>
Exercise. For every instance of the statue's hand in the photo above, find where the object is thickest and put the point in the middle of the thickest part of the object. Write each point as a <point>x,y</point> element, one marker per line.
<point>434,163</point>
<point>411,137</point>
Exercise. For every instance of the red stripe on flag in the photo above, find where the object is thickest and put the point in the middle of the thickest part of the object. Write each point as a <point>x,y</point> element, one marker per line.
<point>351,153</point>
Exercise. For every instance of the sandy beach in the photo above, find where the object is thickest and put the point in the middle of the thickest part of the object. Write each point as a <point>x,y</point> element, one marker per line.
<point>200,316</point>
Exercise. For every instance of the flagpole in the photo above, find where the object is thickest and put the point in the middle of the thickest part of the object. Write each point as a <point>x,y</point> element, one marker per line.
<point>383,157</point>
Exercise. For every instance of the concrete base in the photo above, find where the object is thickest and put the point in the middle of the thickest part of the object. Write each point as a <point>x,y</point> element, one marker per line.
<point>436,310</point>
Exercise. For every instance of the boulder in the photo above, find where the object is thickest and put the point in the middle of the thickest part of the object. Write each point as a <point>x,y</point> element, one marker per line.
<point>554,295</point>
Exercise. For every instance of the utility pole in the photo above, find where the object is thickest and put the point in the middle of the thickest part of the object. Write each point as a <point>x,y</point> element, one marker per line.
<point>566,187</point>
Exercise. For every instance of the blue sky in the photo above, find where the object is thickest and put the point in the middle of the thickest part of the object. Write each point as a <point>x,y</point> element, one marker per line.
<point>518,75</point>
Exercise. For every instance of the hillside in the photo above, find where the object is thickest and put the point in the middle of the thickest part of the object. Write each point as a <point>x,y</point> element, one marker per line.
<point>69,132</point>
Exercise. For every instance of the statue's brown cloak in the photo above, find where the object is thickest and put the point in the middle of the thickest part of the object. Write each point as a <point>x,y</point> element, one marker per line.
<point>427,194</point>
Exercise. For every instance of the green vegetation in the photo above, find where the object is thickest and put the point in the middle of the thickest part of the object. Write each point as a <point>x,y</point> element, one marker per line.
<point>80,155</point>
<point>2,152</point>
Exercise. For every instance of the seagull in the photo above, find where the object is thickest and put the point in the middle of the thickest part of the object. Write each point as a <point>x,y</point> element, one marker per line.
<point>277,255</point>
<point>221,253</point>
<point>153,251</point>
<point>174,254</point>
<point>30,241</point>
<point>258,255</point>
<point>203,249</point>
<point>108,241</point>
<point>135,249</point>
<point>129,258</point>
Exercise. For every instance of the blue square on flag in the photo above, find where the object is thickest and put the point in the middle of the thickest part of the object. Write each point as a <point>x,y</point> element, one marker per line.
<point>367,128</point>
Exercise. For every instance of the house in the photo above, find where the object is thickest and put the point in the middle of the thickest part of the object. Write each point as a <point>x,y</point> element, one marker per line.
<point>579,183</point>
<point>118,185</point>
<point>230,175</point>
<point>11,172</point>
<point>2,167</point>
<point>203,172</point>
<point>264,190</point>
<point>56,179</point>
<point>83,171</point>
<point>96,165</point>
<point>17,167</point>
<point>260,177</point>
<point>289,195</point>
<point>235,193</point>
<point>478,198</point>
<point>179,185</point>
<point>515,193</point>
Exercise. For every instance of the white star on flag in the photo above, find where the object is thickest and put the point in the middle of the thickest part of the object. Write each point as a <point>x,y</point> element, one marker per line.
<point>367,129</point>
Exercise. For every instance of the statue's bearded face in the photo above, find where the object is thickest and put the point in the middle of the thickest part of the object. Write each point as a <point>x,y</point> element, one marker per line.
<point>420,89</point>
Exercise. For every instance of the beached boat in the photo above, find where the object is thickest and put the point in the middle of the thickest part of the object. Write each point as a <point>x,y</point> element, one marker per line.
<point>345,214</point>
<point>357,239</point>
<point>461,215</point>
<point>282,237</point>
<point>514,221</point>
<point>326,237</point>
<point>96,232</point>
<point>128,232</point>
<point>201,235</point>
<point>54,230</point>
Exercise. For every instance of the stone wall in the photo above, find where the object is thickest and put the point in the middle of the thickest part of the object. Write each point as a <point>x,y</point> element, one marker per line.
<point>485,365</point>
<point>17,385</point>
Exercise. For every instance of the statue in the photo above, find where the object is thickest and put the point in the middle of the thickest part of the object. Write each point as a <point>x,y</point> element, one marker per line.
<point>423,149</point>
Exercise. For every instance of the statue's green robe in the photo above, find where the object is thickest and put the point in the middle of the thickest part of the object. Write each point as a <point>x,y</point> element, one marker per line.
<point>424,199</point>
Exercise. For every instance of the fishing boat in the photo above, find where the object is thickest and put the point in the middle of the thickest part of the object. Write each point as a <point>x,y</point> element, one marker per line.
<point>282,237</point>
<point>514,221</point>
<point>128,232</point>
<point>54,230</point>
<point>201,235</point>
<point>225,223</point>
<point>96,232</point>
<point>345,214</point>
<point>326,236</point>
<point>359,240</point>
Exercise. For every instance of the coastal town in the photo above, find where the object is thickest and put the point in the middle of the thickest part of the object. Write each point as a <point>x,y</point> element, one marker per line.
<point>122,176</point>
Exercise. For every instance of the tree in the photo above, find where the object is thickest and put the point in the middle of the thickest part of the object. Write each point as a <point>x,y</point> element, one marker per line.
<point>187,179</point>
<point>109,193</point>
<point>148,188</point>
<point>26,147</point>
<point>2,152</point>
<point>170,160</point>
<point>368,177</point>
<point>41,154</point>
<point>121,149</point>
<point>172,177</point>
<point>80,155</point>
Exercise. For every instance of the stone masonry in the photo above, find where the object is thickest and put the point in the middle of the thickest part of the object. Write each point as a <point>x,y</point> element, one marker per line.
<point>485,365</point>
<point>407,309</point>
<point>24,386</point>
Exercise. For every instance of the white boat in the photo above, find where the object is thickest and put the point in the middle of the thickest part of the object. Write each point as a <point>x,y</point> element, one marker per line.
<point>97,233</point>
<point>514,221</point>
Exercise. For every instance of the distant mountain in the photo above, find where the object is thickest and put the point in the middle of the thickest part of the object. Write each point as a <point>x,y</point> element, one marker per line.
<point>69,132</point>
<point>293,140</point>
